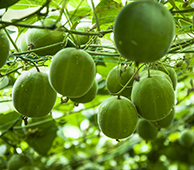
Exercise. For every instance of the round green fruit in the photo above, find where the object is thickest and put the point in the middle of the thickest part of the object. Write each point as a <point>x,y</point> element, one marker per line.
<point>82,39</point>
<point>32,94</point>
<point>36,38</point>
<point>146,129</point>
<point>4,48</point>
<point>143,31</point>
<point>17,161</point>
<point>153,96</point>
<point>72,72</point>
<point>89,96</point>
<point>144,74</point>
<point>186,138</point>
<point>171,73</point>
<point>167,121</point>
<point>117,117</point>
<point>118,77</point>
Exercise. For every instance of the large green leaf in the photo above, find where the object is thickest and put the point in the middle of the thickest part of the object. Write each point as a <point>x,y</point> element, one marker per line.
<point>107,11</point>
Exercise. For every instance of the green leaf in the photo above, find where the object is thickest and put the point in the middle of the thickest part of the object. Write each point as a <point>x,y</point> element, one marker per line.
<point>7,120</point>
<point>107,11</point>
<point>7,3</point>
<point>41,133</point>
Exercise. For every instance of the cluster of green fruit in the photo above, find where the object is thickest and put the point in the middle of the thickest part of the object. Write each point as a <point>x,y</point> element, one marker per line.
<point>20,162</point>
<point>151,98</point>
<point>71,74</point>
<point>140,39</point>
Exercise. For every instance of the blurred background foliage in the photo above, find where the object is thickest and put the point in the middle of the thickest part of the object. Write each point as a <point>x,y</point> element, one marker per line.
<point>70,138</point>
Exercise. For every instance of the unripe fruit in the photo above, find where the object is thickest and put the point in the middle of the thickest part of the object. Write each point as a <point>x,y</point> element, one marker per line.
<point>144,73</point>
<point>171,73</point>
<point>117,117</point>
<point>143,31</point>
<point>72,72</point>
<point>167,121</point>
<point>32,94</point>
<point>186,138</point>
<point>89,96</point>
<point>82,39</point>
<point>118,77</point>
<point>17,161</point>
<point>153,96</point>
<point>4,48</point>
<point>36,38</point>
<point>146,129</point>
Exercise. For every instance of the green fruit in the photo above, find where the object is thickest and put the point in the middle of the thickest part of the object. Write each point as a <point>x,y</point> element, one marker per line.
<point>89,96</point>
<point>186,138</point>
<point>4,48</point>
<point>118,77</point>
<point>153,96</point>
<point>143,31</point>
<point>144,73</point>
<point>117,117</point>
<point>36,38</point>
<point>167,121</point>
<point>147,130</point>
<point>17,161</point>
<point>82,39</point>
<point>171,73</point>
<point>32,94</point>
<point>72,72</point>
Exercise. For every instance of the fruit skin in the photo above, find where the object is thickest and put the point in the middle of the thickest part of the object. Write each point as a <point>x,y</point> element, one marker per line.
<point>118,77</point>
<point>82,39</point>
<point>36,38</point>
<point>143,31</point>
<point>146,129</point>
<point>89,96</point>
<point>117,118</point>
<point>4,48</point>
<point>72,72</point>
<point>153,97</point>
<point>17,161</point>
<point>167,121</point>
<point>144,73</point>
<point>171,73</point>
<point>32,94</point>
<point>186,138</point>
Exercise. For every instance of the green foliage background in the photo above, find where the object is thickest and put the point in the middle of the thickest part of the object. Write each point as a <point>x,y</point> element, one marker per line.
<point>70,138</point>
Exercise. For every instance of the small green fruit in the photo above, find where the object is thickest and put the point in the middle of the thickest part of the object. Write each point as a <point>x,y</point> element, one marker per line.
<point>32,94</point>
<point>146,129</point>
<point>153,96</point>
<point>36,38</point>
<point>72,72</point>
<point>167,121</point>
<point>17,161</point>
<point>118,77</point>
<point>89,96</point>
<point>143,31</point>
<point>117,117</point>
<point>82,39</point>
<point>186,138</point>
<point>4,48</point>
<point>171,73</point>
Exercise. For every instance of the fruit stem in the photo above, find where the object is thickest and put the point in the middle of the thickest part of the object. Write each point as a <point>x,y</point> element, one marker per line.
<point>149,72</point>
<point>129,80</point>
<point>13,43</point>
